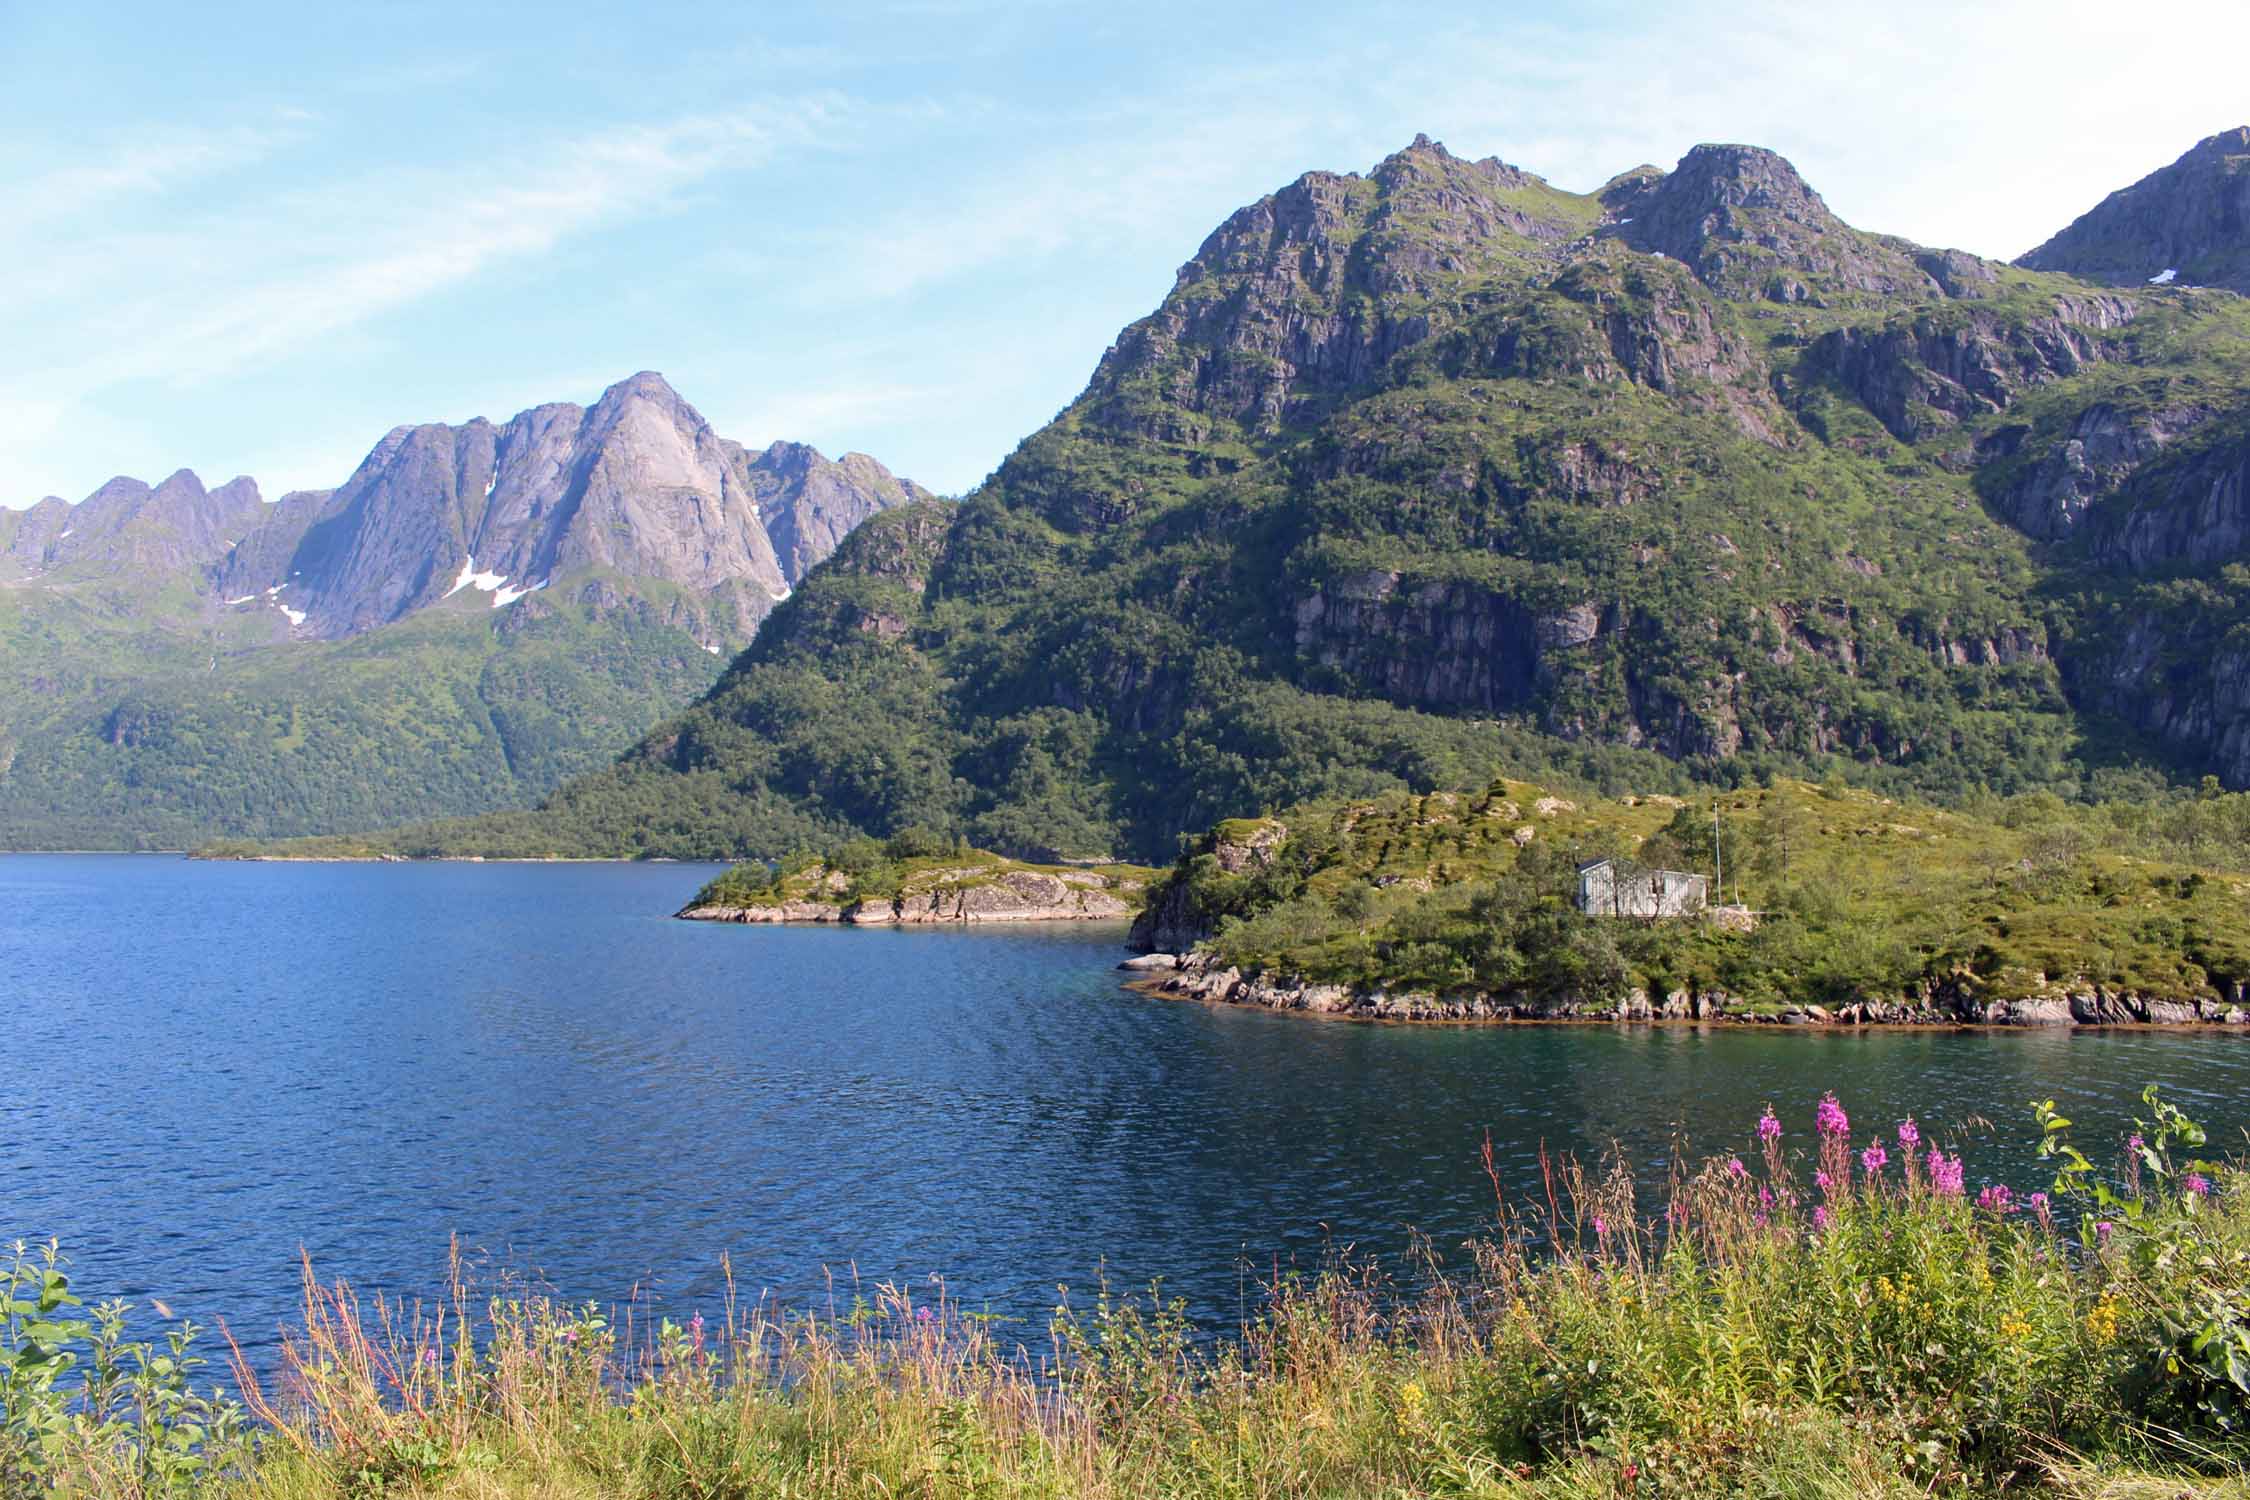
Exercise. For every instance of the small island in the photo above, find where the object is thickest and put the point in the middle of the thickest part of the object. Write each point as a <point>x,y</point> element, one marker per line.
<point>918,878</point>
<point>1791,903</point>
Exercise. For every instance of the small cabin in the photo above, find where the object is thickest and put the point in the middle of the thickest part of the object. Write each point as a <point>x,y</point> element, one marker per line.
<point>1606,891</point>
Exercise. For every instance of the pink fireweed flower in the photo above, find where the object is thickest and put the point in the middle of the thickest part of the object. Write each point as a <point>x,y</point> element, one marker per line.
<point>1735,1168</point>
<point>1769,1128</point>
<point>1601,1227</point>
<point>1831,1119</point>
<point>2101,1230</point>
<point>1909,1134</point>
<point>1874,1158</point>
<point>1994,1197</point>
<point>1820,1216</point>
<point>1765,1196</point>
<point>1822,1181</point>
<point>2198,1184</point>
<point>1945,1173</point>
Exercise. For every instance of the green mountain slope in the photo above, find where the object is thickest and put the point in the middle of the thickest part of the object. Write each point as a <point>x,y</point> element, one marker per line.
<point>1439,471</point>
<point>478,613</point>
<point>160,736</point>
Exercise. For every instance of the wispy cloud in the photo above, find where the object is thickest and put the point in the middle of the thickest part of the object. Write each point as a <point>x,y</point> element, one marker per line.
<point>300,268</point>
<point>138,171</point>
<point>199,292</point>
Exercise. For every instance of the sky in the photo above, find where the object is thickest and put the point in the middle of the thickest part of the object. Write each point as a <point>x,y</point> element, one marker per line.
<point>250,239</point>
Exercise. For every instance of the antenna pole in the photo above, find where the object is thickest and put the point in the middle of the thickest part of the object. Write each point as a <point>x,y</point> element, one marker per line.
<point>1718,854</point>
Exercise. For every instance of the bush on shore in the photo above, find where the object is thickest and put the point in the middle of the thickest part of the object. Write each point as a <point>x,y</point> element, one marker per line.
<point>1854,1316</point>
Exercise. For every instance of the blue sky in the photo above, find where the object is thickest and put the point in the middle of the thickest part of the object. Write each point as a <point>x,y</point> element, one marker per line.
<point>249,239</point>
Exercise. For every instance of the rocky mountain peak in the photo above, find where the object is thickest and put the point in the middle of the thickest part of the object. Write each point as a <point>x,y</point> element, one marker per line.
<point>486,515</point>
<point>2187,224</point>
<point>129,524</point>
<point>1425,159</point>
<point>1750,226</point>
<point>652,389</point>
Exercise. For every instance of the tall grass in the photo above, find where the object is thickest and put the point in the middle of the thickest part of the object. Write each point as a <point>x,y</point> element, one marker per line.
<point>1849,1316</point>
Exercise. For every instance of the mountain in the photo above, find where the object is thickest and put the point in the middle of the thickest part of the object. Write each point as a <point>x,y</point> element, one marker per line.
<point>475,614</point>
<point>1441,471</point>
<point>2186,225</point>
<point>125,525</point>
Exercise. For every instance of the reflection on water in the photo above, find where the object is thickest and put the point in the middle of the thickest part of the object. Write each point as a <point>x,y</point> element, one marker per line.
<point>236,1060</point>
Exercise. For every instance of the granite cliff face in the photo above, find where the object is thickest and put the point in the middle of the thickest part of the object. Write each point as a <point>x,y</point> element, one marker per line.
<point>2187,224</point>
<point>637,485</point>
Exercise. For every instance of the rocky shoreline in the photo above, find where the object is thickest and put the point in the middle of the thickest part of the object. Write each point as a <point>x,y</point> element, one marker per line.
<point>1016,896</point>
<point>1194,976</point>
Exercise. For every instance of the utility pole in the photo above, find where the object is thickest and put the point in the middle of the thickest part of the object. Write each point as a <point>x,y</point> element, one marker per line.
<point>1718,854</point>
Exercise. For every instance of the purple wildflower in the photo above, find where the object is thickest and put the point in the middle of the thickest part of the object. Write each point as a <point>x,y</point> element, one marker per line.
<point>2198,1184</point>
<point>1820,1216</point>
<point>1909,1134</point>
<point>2101,1230</point>
<point>1874,1158</point>
<point>1832,1119</point>
<point>1945,1173</point>
<point>1735,1168</point>
<point>429,1356</point>
<point>923,1314</point>
<point>1601,1227</point>
<point>1769,1128</point>
<point>1994,1197</point>
<point>1765,1196</point>
<point>1822,1181</point>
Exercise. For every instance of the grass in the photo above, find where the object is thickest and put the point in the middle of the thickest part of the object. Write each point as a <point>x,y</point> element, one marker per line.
<point>1872,1330</point>
<point>1860,897</point>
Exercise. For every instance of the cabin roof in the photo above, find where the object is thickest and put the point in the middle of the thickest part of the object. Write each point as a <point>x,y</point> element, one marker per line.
<point>1595,864</point>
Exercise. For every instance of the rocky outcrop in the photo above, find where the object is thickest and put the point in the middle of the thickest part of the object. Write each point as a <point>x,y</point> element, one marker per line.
<point>2195,510</point>
<point>1432,643</point>
<point>1924,374</point>
<point>970,894</point>
<point>2187,224</point>
<point>1308,292</point>
<point>1744,221</point>
<point>2177,676</point>
<point>1196,976</point>
<point>809,503</point>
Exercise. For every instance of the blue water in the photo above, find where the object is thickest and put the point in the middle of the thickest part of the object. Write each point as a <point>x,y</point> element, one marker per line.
<point>213,1065</point>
